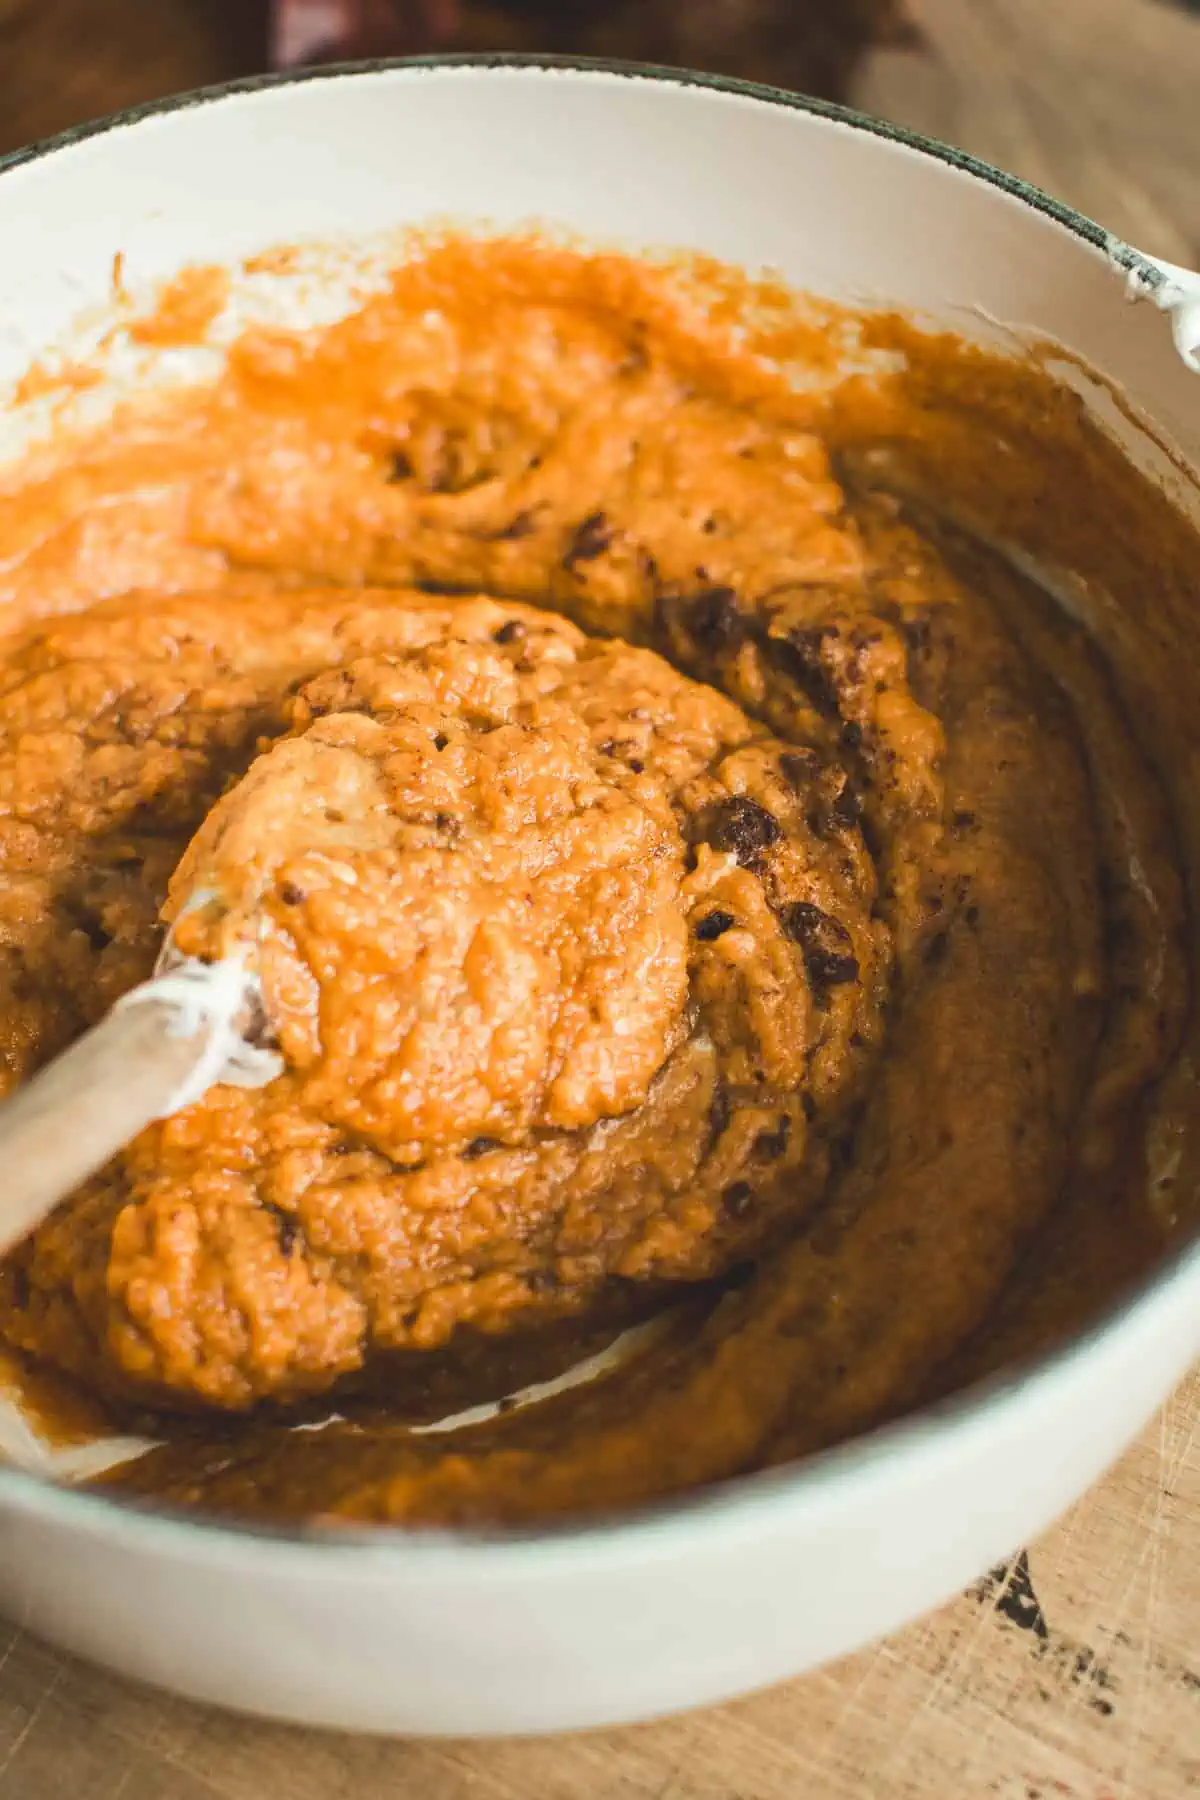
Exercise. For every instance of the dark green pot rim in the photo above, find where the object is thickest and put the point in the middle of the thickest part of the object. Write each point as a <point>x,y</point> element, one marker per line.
<point>1123,255</point>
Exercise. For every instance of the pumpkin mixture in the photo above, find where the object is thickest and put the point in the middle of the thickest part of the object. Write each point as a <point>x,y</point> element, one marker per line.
<point>693,881</point>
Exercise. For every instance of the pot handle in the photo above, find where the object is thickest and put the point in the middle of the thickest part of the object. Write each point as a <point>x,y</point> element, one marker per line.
<point>1173,290</point>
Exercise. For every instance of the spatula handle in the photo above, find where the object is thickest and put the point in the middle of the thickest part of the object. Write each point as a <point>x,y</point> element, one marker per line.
<point>80,1109</point>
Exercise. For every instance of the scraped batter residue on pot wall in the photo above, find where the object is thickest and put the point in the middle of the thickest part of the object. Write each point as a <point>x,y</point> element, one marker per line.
<point>741,900</point>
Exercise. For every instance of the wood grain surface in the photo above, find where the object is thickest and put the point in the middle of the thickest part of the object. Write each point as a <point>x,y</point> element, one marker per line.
<point>1097,101</point>
<point>1074,1672</point>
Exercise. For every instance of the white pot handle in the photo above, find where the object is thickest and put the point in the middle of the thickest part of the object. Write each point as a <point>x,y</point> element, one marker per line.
<point>1174,290</point>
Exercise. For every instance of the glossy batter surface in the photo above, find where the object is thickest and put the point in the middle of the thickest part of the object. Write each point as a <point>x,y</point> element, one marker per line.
<point>686,880</point>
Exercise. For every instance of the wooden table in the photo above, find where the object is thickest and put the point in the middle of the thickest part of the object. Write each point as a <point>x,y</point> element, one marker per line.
<point>1095,100</point>
<point>1072,1674</point>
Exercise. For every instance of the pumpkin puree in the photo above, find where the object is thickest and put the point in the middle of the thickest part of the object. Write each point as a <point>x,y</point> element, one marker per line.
<point>692,880</point>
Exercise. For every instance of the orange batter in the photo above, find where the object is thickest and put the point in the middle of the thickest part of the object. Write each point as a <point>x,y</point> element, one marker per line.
<point>680,871</point>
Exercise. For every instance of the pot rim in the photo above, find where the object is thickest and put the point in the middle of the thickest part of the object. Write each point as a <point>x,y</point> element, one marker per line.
<point>736,1504</point>
<point>1149,274</point>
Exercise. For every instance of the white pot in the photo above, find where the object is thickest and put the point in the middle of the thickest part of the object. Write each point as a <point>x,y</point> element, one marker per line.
<point>702,1599</point>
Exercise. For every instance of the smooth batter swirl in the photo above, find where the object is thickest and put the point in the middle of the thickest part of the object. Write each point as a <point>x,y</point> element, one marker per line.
<point>685,879</point>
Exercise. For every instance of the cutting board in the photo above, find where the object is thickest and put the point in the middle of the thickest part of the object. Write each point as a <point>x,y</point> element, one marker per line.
<point>1072,1672</point>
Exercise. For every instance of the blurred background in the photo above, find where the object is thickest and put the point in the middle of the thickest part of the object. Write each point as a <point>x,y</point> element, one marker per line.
<point>1096,100</point>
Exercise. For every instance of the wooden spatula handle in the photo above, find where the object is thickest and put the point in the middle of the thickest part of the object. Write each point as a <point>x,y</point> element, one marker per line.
<point>79,1110</point>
